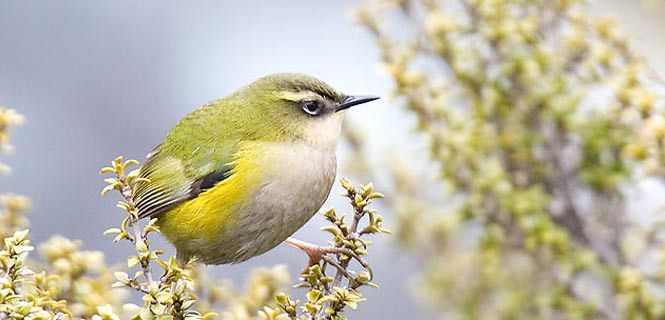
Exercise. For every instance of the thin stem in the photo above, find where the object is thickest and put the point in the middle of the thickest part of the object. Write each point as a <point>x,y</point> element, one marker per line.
<point>353,230</point>
<point>137,235</point>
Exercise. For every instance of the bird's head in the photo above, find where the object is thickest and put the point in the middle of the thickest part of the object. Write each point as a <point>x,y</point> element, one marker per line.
<point>299,106</point>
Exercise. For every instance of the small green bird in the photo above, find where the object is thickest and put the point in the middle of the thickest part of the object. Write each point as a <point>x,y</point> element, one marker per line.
<point>238,176</point>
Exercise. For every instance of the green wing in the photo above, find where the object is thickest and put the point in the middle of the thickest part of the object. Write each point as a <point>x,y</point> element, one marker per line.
<point>193,158</point>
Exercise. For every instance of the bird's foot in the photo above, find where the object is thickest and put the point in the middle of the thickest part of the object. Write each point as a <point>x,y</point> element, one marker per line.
<point>318,253</point>
<point>314,252</point>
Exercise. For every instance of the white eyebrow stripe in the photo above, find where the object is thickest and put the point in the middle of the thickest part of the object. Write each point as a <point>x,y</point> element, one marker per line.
<point>299,95</point>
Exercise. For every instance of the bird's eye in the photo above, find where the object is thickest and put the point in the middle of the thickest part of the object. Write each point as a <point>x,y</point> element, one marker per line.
<point>312,108</point>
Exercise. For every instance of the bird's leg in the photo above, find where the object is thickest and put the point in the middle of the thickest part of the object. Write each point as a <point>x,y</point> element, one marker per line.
<point>314,252</point>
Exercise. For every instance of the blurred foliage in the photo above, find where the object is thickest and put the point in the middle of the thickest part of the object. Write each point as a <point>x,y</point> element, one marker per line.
<point>539,119</point>
<point>9,119</point>
<point>77,284</point>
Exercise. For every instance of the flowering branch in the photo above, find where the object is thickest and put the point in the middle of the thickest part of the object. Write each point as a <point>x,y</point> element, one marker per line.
<point>328,296</point>
<point>173,294</point>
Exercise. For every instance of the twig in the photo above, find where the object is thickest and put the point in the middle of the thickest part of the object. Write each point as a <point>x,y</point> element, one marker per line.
<point>137,235</point>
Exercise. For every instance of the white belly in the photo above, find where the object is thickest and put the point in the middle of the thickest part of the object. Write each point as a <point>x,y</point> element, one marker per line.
<point>299,181</point>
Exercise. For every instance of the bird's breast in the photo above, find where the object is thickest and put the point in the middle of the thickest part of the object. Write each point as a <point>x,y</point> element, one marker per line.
<point>296,181</point>
<point>275,188</point>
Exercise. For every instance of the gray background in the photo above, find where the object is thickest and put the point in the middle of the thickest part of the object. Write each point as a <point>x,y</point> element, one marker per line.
<point>97,79</point>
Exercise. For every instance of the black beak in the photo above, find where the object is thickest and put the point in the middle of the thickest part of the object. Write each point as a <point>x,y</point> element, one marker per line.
<point>351,101</point>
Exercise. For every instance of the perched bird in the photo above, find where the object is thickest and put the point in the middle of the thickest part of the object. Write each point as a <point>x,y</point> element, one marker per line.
<point>238,176</point>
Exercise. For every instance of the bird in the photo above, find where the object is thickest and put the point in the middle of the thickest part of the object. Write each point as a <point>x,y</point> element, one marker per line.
<point>239,175</point>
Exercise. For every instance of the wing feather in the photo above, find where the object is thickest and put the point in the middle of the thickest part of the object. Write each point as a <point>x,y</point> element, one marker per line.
<point>194,156</point>
<point>168,184</point>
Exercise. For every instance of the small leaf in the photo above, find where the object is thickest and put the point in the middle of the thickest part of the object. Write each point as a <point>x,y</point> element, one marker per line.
<point>107,189</point>
<point>164,297</point>
<point>106,170</point>
<point>376,195</point>
<point>346,184</point>
<point>313,295</point>
<point>130,162</point>
<point>133,261</point>
<point>282,298</point>
<point>333,230</point>
<point>121,276</point>
<point>111,231</point>
<point>188,304</point>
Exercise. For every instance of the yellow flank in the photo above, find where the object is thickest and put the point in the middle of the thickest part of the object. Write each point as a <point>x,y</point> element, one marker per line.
<point>199,222</point>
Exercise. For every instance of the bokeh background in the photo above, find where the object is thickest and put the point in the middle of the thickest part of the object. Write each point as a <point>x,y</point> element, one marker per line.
<point>98,79</point>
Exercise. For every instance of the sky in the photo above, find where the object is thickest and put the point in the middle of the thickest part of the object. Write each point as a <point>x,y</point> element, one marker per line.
<point>98,79</point>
